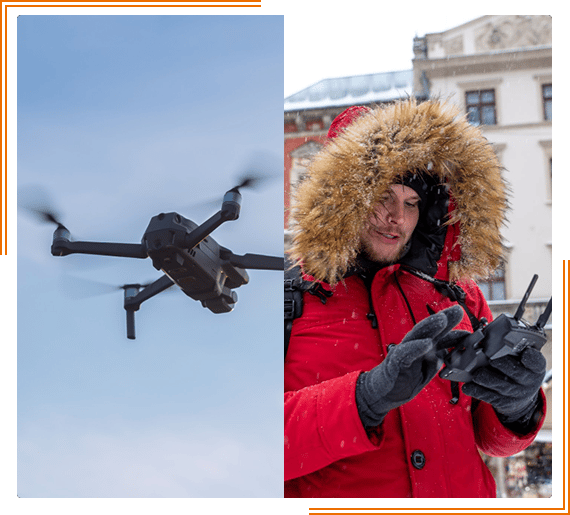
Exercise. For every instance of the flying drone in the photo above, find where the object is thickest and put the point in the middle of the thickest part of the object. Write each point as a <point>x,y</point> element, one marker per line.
<point>184,251</point>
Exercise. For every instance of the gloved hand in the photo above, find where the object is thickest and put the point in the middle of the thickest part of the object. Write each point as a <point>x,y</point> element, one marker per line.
<point>511,384</point>
<point>408,367</point>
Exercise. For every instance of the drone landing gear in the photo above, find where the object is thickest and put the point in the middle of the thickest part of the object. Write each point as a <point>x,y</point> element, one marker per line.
<point>134,297</point>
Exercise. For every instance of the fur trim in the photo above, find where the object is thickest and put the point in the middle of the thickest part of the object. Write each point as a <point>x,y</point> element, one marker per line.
<point>347,178</point>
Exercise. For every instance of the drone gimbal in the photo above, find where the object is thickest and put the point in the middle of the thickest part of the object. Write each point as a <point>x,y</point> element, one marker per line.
<point>186,253</point>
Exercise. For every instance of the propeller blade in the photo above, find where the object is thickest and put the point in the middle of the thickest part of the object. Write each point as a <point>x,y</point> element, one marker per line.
<point>81,288</point>
<point>251,181</point>
<point>35,200</point>
<point>259,170</point>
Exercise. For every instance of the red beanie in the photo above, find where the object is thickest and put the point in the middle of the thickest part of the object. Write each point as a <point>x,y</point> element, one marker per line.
<point>344,119</point>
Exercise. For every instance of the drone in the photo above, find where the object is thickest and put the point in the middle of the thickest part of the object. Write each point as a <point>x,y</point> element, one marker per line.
<point>184,251</point>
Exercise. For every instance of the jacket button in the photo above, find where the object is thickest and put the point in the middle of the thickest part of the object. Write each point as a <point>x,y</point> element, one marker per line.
<point>418,459</point>
<point>389,346</point>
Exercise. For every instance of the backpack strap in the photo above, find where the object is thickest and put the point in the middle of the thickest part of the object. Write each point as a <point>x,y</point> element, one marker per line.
<point>456,293</point>
<point>293,298</point>
<point>295,287</point>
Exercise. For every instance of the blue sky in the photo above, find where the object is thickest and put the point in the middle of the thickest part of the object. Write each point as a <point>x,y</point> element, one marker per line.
<point>121,118</point>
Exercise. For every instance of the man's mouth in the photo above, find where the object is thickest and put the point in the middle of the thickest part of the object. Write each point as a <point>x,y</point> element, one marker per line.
<point>388,235</point>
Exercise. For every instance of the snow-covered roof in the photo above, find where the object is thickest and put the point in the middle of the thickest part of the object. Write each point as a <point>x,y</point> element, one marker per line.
<point>357,89</point>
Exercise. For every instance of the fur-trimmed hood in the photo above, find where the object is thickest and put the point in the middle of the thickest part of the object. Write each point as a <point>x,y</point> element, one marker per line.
<point>349,175</point>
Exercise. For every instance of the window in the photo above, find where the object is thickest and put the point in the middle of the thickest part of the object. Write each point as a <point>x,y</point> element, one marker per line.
<point>480,105</point>
<point>546,146</point>
<point>494,287</point>
<point>290,127</point>
<point>315,124</point>
<point>547,101</point>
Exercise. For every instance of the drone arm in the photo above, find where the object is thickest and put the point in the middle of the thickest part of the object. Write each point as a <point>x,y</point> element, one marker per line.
<point>133,303</point>
<point>229,211</point>
<point>202,231</point>
<point>62,247</point>
<point>254,261</point>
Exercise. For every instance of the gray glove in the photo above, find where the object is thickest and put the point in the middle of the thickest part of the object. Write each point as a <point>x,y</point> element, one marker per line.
<point>408,367</point>
<point>511,384</point>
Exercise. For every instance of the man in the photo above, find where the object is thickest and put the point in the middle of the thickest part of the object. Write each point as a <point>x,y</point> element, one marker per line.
<point>399,213</point>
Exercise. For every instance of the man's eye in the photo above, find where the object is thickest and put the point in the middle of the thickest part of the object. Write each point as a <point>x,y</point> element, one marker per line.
<point>412,204</point>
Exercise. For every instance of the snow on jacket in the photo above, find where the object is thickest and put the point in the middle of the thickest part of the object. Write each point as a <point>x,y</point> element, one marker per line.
<point>429,447</point>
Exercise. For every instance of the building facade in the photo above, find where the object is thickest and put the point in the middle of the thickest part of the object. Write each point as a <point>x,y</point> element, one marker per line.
<point>498,70</point>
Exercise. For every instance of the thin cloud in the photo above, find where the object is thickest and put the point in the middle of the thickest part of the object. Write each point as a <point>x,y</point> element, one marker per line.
<point>121,460</point>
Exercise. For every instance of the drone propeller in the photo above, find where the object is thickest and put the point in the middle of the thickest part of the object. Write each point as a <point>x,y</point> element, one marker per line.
<point>35,200</point>
<point>81,288</point>
<point>48,216</point>
<point>256,173</point>
<point>134,293</point>
<point>259,168</point>
<point>251,181</point>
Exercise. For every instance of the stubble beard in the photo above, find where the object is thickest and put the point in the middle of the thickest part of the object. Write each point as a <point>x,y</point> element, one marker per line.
<point>383,258</point>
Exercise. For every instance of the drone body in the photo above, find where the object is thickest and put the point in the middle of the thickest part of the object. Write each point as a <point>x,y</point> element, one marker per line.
<point>199,271</point>
<point>186,253</point>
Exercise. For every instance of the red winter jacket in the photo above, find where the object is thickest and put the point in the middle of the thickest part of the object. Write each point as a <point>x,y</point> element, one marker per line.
<point>327,451</point>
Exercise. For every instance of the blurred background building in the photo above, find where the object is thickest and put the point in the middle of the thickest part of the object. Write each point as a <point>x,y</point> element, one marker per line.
<point>498,70</point>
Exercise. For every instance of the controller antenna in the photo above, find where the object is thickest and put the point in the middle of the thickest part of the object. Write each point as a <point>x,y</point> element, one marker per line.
<point>542,319</point>
<point>522,305</point>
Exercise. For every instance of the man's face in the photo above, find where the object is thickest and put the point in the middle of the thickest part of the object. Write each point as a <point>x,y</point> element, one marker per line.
<point>391,224</point>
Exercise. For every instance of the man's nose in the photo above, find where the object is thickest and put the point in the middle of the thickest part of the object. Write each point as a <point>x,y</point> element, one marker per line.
<point>396,213</point>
